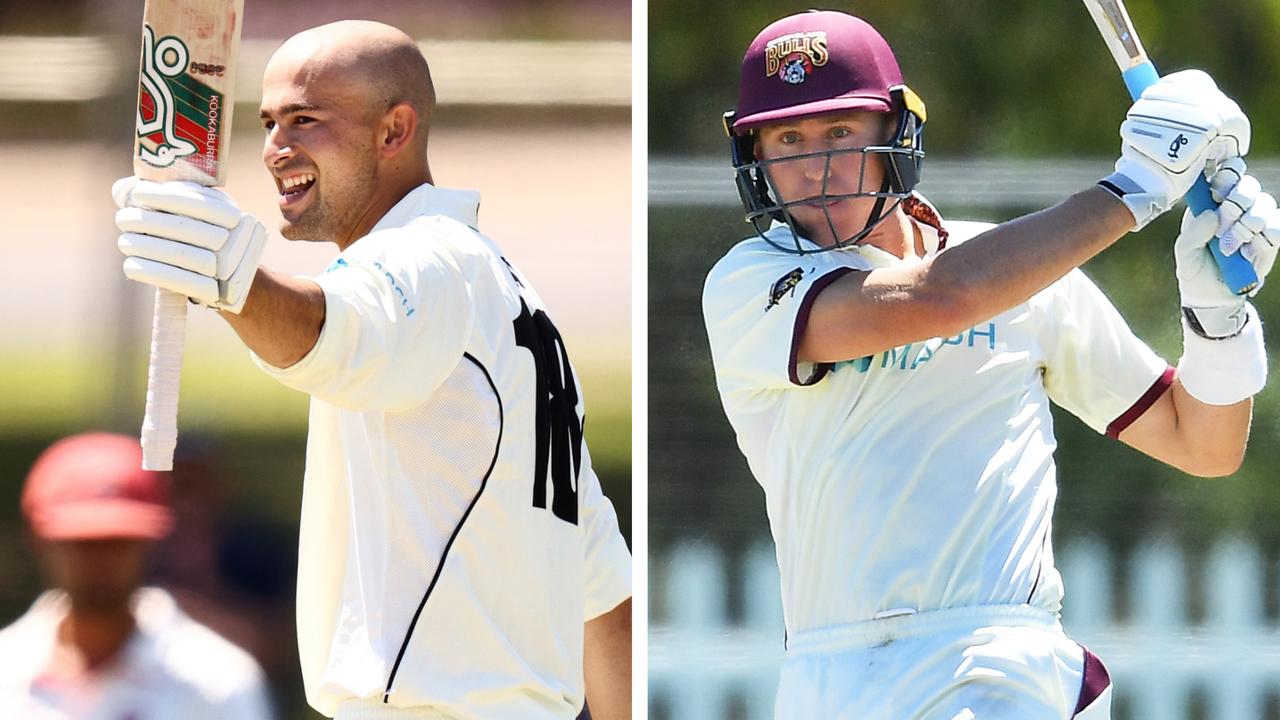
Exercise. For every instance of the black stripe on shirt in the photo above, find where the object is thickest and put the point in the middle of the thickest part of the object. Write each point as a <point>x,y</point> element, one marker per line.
<point>386,694</point>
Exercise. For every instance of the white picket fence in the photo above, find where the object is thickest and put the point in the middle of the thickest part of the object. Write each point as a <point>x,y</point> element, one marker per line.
<point>705,666</point>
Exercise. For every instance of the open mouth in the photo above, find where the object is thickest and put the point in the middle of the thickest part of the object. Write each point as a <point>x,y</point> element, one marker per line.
<point>294,187</point>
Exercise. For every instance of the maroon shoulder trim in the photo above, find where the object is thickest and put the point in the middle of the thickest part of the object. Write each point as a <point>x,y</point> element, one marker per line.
<point>1093,681</point>
<point>1144,403</point>
<point>802,320</point>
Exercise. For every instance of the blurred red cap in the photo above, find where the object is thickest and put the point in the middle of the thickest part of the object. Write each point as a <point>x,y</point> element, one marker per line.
<point>92,486</point>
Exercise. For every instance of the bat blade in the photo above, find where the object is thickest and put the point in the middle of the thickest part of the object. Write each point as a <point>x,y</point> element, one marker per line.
<point>1139,73</point>
<point>185,82</point>
<point>186,78</point>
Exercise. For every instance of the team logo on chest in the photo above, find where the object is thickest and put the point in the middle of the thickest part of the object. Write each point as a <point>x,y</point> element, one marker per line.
<point>792,57</point>
<point>785,284</point>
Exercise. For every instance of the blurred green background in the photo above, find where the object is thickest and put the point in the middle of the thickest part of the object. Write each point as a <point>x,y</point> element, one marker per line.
<point>74,341</point>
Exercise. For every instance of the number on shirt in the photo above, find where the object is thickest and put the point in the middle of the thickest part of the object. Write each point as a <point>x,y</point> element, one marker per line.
<point>559,429</point>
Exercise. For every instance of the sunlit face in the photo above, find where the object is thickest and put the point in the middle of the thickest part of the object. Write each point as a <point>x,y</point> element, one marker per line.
<point>812,177</point>
<point>321,150</point>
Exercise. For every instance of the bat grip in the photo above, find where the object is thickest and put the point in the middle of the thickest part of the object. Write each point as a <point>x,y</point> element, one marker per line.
<point>160,424</point>
<point>1236,272</point>
<point>1139,78</point>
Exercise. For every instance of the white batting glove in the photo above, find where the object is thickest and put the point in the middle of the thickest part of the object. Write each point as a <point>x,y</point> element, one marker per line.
<point>1247,222</point>
<point>1181,126</point>
<point>190,239</point>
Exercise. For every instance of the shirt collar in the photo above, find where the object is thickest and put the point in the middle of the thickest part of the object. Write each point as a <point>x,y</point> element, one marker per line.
<point>427,199</point>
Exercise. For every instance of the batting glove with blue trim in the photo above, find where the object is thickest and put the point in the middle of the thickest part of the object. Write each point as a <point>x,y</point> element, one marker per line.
<point>1181,126</point>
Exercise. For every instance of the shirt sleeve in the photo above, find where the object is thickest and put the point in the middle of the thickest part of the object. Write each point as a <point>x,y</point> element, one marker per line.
<point>756,304</point>
<point>399,312</point>
<point>1095,367</point>
<point>608,562</point>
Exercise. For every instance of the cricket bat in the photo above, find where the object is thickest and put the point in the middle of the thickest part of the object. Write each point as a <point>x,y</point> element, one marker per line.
<point>1113,22</point>
<point>185,85</point>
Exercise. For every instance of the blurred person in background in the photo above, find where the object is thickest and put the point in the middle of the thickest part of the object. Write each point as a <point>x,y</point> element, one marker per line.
<point>98,645</point>
<point>889,375</point>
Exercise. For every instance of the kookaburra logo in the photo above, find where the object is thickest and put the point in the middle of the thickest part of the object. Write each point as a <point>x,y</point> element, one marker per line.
<point>161,60</point>
<point>1176,145</point>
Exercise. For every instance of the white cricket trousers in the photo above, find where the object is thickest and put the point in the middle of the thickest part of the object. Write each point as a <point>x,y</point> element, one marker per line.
<point>1000,662</point>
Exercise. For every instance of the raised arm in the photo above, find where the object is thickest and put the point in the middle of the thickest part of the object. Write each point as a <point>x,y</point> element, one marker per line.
<point>281,319</point>
<point>866,312</point>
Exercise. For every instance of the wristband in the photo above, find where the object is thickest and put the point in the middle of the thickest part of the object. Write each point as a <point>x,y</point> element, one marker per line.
<point>1225,371</point>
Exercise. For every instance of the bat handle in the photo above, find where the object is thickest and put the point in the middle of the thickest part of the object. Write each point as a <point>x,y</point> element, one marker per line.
<point>1236,272</point>
<point>1139,78</point>
<point>160,425</point>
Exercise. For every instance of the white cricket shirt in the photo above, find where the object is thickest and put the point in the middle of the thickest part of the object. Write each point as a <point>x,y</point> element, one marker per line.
<point>171,667</point>
<point>921,477</point>
<point>454,538</point>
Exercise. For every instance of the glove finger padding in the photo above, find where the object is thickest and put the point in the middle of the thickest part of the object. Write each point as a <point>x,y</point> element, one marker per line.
<point>168,252</point>
<point>180,198</point>
<point>231,254</point>
<point>1249,223</point>
<point>237,272</point>
<point>1228,174</point>
<point>1261,207</point>
<point>198,287</point>
<point>1261,253</point>
<point>177,228</point>
<point>1233,209</point>
<point>1262,224</point>
<point>189,239</point>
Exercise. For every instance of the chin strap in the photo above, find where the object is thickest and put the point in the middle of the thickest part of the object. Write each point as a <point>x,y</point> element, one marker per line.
<point>920,209</point>
<point>875,217</point>
<point>916,207</point>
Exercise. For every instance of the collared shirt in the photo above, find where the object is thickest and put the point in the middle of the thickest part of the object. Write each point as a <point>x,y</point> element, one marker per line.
<point>454,537</point>
<point>171,667</point>
<point>920,477</point>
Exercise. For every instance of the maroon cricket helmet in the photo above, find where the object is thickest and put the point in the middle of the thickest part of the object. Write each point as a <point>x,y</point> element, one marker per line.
<point>812,63</point>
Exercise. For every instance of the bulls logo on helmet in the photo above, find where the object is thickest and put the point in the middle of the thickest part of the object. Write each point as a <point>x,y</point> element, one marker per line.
<point>794,69</point>
<point>793,56</point>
